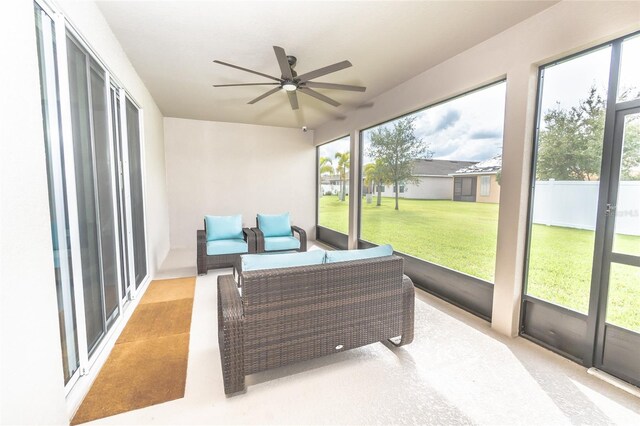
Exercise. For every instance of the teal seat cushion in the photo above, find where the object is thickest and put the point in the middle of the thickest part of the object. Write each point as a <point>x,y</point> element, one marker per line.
<point>281,243</point>
<point>254,262</point>
<point>345,255</point>
<point>227,247</point>
<point>275,225</point>
<point>224,227</point>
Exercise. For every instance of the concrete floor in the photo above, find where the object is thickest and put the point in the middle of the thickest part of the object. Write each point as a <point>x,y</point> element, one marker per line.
<point>457,371</point>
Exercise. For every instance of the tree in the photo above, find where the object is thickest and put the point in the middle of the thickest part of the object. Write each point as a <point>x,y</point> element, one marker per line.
<point>342,168</point>
<point>326,166</point>
<point>570,146</point>
<point>396,146</point>
<point>374,177</point>
<point>630,167</point>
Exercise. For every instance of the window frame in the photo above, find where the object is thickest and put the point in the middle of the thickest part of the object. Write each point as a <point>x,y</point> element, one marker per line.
<point>569,323</point>
<point>465,291</point>
<point>323,234</point>
<point>485,184</point>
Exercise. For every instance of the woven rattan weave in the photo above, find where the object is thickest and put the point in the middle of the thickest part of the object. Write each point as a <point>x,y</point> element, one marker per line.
<point>294,314</point>
<point>206,262</point>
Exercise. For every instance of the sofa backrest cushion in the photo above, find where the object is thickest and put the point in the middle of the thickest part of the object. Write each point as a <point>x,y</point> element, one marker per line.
<point>224,227</point>
<point>345,255</point>
<point>275,225</point>
<point>254,262</point>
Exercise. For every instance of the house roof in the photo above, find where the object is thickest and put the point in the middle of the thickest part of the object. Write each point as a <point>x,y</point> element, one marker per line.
<point>430,167</point>
<point>491,166</point>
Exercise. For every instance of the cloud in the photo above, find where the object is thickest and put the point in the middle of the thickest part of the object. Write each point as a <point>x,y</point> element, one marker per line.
<point>467,128</point>
<point>448,120</point>
<point>486,134</point>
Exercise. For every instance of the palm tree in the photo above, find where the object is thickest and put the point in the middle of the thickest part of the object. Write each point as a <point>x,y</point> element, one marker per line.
<point>369,177</point>
<point>325,167</point>
<point>375,176</point>
<point>342,168</point>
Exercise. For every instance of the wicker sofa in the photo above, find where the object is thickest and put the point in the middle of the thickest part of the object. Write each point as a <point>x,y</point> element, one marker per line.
<point>285,315</point>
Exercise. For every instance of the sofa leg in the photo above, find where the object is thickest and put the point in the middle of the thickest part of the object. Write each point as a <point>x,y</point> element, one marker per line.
<point>230,393</point>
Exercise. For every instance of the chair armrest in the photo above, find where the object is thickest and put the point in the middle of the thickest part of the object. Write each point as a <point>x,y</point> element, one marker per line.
<point>302,235</point>
<point>259,240</point>
<point>231,334</point>
<point>408,309</point>
<point>250,238</point>
<point>201,257</point>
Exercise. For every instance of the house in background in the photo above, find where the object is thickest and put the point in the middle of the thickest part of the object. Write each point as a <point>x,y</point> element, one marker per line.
<point>434,180</point>
<point>330,185</point>
<point>478,182</point>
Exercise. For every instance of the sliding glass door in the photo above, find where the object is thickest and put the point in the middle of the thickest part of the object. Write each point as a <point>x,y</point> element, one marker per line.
<point>94,164</point>
<point>121,193</point>
<point>94,191</point>
<point>58,208</point>
<point>137,204</point>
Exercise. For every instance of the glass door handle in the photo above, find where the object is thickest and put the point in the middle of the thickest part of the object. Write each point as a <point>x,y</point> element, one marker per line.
<point>610,210</point>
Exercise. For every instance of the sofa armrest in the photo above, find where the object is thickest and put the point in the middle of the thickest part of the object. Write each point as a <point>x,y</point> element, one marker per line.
<point>259,240</point>
<point>302,235</point>
<point>201,256</point>
<point>408,310</point>
<point>250,238</point>
<point>231,334</point>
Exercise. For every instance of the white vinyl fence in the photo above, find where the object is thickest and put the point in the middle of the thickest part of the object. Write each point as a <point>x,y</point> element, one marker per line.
<point>573,204</point>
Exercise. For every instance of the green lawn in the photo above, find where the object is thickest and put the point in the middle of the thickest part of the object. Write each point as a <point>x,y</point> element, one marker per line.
<point>462,236</point>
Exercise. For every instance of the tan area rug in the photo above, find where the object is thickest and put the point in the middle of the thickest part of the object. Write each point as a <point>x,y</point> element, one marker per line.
<point>148,364</point>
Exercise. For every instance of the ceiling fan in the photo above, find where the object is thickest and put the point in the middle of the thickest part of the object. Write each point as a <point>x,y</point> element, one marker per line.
<point>291,82</point>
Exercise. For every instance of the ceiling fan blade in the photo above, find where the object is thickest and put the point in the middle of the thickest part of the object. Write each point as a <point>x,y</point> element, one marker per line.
<point>335,86</point>
<point>264,95</point>
<point>293,100</point>
<point>246,84</point>
<point>246,69</point>
<point>283,62</point>
<point>324,71</point>
<point>319,96</point>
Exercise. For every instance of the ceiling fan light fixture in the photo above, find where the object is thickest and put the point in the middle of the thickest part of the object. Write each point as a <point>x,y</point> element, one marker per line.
<point>290,81</point>
<point>289,86</point>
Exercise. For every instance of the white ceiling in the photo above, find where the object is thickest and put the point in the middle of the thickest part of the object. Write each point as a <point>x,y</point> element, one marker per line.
<point>172,45</point>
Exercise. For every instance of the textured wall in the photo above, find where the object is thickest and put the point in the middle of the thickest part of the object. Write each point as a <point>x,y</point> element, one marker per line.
<point>31,378</point>
<point>226,168</point>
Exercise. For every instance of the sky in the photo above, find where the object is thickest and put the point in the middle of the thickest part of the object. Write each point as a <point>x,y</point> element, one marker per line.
<point>469,128</point>
<point>330,149</point>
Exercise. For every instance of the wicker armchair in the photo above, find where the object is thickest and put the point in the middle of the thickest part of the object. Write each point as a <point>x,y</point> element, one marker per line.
<point>274,233</point>
<point>294,314</point>
<point>206,262</point>
<point>260,248</point>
